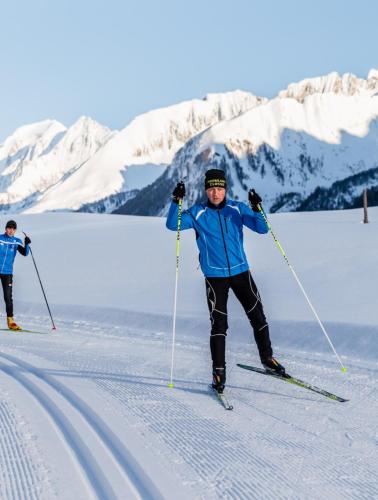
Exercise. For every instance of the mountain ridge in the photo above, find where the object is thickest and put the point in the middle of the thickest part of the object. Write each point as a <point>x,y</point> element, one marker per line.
<point>314,133</point>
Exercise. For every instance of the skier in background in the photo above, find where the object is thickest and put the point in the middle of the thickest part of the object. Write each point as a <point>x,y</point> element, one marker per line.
<point>9,246</point>
<point>219,231</point>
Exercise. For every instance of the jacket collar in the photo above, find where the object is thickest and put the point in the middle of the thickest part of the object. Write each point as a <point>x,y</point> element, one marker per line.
<point>217,207</point>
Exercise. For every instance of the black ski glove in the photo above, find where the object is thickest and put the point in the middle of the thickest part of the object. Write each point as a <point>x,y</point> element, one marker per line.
<point>178,192</point>
<point>254,200</point>
<point>27,240</point>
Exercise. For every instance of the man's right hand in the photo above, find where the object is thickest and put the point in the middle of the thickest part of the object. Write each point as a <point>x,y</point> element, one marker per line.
<point>178,192</point>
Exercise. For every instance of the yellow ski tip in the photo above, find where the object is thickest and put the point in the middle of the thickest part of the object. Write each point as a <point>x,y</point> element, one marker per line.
<point>343,369</point>
<point>170,385</point>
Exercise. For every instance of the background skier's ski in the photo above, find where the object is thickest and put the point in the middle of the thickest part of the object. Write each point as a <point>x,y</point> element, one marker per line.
<point>23,331</point>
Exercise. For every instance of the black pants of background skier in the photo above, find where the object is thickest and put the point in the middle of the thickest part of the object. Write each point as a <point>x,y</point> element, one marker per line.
<point>7,284</point>
<point>245,289</point>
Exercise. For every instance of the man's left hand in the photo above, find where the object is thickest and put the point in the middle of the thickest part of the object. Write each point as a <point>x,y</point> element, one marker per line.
<point>27,240</point>
<point>254,200</point>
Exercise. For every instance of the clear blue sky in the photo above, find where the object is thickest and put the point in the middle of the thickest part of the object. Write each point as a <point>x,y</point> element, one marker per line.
<point>114,59</point>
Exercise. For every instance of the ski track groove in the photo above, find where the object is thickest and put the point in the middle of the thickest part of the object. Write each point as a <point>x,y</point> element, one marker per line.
<point>135,475</point>
<point>19,480</point>
<point>89,466</point>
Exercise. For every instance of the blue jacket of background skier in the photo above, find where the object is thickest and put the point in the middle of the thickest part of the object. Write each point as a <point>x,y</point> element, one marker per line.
<point>8,249</point>
<point>219,232</point>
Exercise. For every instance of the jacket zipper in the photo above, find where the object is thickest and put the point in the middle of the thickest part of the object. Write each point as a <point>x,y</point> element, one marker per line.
<point>224,243</point>
<point>225,223</point>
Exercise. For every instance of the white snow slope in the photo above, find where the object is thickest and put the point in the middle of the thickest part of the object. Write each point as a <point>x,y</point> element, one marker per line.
<point>85,411</point>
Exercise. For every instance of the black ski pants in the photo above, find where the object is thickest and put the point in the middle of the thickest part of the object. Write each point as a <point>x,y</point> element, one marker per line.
<point>246,292</point>
<point>7,284</point>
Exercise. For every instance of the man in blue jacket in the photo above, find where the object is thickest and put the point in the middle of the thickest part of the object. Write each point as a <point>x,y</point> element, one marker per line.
<point>9,246</point>
<point>218,225</point>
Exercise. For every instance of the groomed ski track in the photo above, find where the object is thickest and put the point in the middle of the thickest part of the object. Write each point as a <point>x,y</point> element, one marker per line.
<point>137,482</point>
<point>116,430</point>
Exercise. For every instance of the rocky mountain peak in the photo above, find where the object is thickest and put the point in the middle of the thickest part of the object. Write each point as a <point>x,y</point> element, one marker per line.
<point>346,84</point>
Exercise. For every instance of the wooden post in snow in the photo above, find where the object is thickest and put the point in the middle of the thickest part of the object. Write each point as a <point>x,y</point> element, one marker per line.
<point>365,203</point>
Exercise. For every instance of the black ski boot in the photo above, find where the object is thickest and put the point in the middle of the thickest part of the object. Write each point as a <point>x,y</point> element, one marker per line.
<point>219,379</point>
<point>272,365</point>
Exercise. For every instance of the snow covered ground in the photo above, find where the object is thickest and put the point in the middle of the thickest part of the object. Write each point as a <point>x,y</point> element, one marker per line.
<point>85,412</point>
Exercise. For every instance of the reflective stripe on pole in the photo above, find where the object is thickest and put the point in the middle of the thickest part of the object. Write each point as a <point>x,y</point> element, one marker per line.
<point>176,282</point>
<point>300,285</point>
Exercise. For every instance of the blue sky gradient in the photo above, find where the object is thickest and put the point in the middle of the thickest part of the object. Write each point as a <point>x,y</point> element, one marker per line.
<point>115,59</point>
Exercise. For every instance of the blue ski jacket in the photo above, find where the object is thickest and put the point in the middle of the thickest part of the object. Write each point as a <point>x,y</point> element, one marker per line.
<point>9,245</point>
<point>219,232</point>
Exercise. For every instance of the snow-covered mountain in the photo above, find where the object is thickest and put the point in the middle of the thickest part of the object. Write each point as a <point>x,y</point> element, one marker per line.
<point>345,193</point>
<point>89,167</point>
<point>347,84</point>
<point>314,134</point>
<point>39,156</point>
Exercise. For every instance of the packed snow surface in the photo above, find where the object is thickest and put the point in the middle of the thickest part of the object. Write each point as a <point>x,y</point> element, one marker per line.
<point>86,412</point>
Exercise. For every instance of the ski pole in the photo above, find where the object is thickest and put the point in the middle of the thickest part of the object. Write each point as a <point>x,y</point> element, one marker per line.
<point>176,282</point>
<point>343,368</point>
<point>40,282</point>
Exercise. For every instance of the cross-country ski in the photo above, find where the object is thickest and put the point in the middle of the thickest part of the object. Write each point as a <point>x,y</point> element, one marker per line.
<point>222,398</point>
<point>293,380</point>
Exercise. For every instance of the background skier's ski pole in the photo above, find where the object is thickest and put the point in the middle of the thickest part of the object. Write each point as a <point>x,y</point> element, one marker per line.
<point>43,291</point>
<point>300,285</point>
<point>176,282</point>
